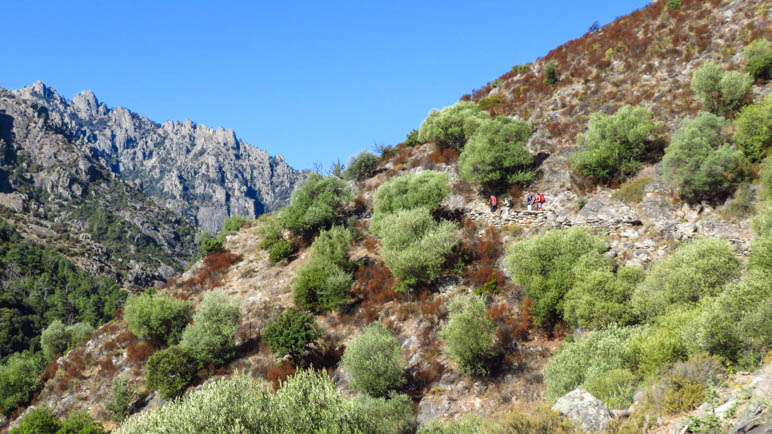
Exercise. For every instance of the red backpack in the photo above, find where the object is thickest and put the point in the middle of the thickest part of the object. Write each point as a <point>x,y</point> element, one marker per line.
<point>541,198</point>
<point>493,201</point>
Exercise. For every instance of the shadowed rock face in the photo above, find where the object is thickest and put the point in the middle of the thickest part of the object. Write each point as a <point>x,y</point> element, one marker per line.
<point>200,173</point>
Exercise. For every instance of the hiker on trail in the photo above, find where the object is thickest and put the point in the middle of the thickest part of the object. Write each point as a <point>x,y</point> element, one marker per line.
<point>507,206</point>
<point>493,202</point>
<point>539,201</point>
<point>529,200</point>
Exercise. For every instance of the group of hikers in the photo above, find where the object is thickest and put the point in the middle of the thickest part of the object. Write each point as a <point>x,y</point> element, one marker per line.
<point>532,200</point>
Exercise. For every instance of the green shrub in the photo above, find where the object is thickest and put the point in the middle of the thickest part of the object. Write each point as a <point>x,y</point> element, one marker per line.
<point>600,296</point>
<point>490,102</point>
<point>452,126</point>
<point>233,224</point>
<point>765,178</point>
<point>408,191</point>
<point>551,73</point>
<point>700,163</point>
<point>466,425</point>
<point>543,266</point>
<point>211,245</point>
<point>674,4</point>
<point>753,128</point>
<point>761,253</point>
<point>333,244</point>
<point>315,205</point>
<point>415,245</point>
<point>682,387</point>
<point>543,420</point>
<point>321,285</point>
<point>57,339</point>
<point>80,422</point>
<point>721,92</point>
<point>392,415</point>
<point>40,420</point>
<point>212,335</point>
<point>469,335</point>
<point>375,361</point>
<point>758,59</point>
<point>170,371</point>
<point>120,404</point>
<point>292,332</point>
<point>19,378</point>
<point>412,139</point>
<point>594,354</point>
<point>269,230</point>
<point>695,270</point>
<point>496,154</point>
<point>361,167</point>
<point>280,250</point>
<point>762,222</point>
<point>741,205</point>
<point>615,387</point>
<point>54,340</point>
<point>737,324</point>
<point>662,342</point>
<point>614,146</point>
<point>307,402</point>
<point>157,316</point>
<point>633,191</point>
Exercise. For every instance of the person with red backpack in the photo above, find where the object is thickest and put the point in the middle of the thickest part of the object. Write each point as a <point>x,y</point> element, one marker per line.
<point>493,202</point>
<point>539,201</point>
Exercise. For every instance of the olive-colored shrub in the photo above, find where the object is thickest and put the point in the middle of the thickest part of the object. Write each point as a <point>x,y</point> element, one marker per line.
<point>157,316</point>
<point>758,59</point>
<point>210,245</point>
<point>468,424</point>
<point>80,422</point>
<point>315,205</point>
<point>616,387</point>
<point>375,361</point>
<point>361,167</point>
<point>544,264</point>
<point>615,146</point>
<point>211,337</point>
<point>753,128</point>
<point>280,250</point>
<point>408,191</point>
<point>415,245</point>
<point>737,324</point>
<point>551,73</point>
<point>291,332</point>
<point>452,126</point>
<point>323,283</point>
<point>58,338</point>
<point>233,224</point>
<point>542,420</point>
<point>594,354</point>
<point>306,402</point>
<point>269,230</point>
<point>170,371</point>
<point>333,244</point>
<point>765,178</point>
<point>40,420</point>
<point>19,378</point>
<point>120,405</point>
<point>700,163</point>
<point>600,296</point>
<point>762,222</point>
<point>697,269</point>
<point>721,92</point>
<point>496,154</point>
<point>663,341</point>
<point>469,335</point>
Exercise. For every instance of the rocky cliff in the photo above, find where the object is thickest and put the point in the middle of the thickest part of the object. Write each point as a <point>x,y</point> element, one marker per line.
<point>200,173</point>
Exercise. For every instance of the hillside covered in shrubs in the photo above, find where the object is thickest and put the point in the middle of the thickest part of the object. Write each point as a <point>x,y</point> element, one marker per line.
<point>389,297</point>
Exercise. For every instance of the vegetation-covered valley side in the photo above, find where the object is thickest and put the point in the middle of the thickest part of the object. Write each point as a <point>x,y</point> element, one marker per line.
<point>390,296</point>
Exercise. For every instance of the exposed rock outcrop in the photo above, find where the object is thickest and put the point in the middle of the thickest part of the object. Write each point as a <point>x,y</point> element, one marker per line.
<point>586,410</point>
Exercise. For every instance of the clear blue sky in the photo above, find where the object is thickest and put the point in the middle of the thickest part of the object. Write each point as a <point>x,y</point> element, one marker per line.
<point>312,80</point>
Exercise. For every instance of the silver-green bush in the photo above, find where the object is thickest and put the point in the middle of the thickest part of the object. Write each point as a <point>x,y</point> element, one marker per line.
<point>211,337</point>
<point>375,361</point>
<point>408,191</point>
<point>469,335</point>
<point>753,128</point>
<point>758,59</point>
<point>452,126</point>
<point>496,154</point>
<point>58,338</point>
<point>720,91</point>
<point>415,245</point>
<point>697,269</point>
<point>157,316</point>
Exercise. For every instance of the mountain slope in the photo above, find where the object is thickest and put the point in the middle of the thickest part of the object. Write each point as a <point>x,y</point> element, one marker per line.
<point>202,174</point>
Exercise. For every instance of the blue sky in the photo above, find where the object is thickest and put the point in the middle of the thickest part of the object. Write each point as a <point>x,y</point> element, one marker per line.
<point>312,80</point>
